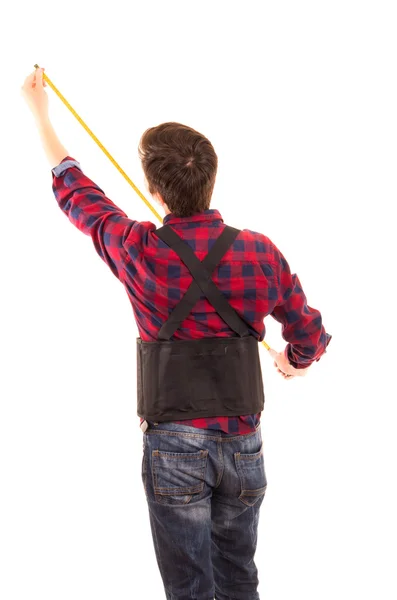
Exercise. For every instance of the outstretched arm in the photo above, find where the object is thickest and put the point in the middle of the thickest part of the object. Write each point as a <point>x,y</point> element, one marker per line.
<point>116,238</point>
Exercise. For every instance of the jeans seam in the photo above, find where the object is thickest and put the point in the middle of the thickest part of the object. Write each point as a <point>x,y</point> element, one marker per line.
<point>202,436</point>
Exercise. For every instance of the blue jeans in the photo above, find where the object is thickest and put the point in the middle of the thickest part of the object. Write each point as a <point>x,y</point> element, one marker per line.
<point>204,490</point>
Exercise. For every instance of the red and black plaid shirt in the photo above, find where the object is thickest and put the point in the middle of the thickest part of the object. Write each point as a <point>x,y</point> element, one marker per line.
<point>253,275</point>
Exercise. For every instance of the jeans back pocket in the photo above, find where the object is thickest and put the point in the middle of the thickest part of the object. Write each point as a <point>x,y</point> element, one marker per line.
<point>178,477</point>
<point>251,471</point>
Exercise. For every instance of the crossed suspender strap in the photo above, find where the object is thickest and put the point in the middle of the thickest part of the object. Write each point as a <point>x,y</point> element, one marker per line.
<point>201,273</point>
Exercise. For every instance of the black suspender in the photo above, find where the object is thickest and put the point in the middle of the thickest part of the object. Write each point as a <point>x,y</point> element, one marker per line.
<point>201,273</point>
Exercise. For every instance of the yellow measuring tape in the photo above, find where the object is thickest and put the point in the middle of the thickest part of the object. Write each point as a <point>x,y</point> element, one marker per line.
<point>110,157</point>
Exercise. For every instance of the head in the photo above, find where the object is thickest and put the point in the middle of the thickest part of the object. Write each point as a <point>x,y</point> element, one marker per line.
<point>180,167</point>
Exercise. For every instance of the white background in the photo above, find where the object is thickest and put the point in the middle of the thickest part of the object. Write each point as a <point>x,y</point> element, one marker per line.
<point>299,101</point>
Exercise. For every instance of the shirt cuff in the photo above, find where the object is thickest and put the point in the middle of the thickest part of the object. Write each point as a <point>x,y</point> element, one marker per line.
<point>65,164</point>
<point>289,358</point>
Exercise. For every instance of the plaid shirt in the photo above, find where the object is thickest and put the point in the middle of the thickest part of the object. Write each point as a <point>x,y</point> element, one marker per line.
<point>253,275</point>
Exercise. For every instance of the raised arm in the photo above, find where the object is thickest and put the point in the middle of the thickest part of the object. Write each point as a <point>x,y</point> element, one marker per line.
<point>81,200</point>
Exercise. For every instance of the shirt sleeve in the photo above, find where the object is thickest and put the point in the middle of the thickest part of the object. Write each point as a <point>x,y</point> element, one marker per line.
<point>115,237</point>
<point>302,324</point>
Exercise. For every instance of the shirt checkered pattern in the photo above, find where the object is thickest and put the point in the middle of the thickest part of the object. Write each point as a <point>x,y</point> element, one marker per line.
<point>253,275</point>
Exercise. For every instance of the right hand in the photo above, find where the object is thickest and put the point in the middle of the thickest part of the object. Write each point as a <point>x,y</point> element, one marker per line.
<point>35,95</point>
<point>284,366</point>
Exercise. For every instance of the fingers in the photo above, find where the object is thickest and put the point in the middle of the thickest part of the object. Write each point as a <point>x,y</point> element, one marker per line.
<point>285,375</point>
<point>35,80</point>
<point>275,355</point>
<point>39,78</point>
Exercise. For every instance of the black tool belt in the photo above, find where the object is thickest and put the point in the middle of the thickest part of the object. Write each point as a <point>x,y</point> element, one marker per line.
<point>208,377</point>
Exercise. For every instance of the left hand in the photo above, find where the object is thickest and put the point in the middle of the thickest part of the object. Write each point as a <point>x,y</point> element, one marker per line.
<point>284,367</point>
<point>35,95</point>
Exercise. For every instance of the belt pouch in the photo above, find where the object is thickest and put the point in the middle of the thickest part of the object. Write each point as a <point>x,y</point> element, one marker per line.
<point>180,379</point>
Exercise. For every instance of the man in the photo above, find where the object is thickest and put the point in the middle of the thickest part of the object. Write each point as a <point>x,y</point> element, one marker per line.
<point>200,291</point>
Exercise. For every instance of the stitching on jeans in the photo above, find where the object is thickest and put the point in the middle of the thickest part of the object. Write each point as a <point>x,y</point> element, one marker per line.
<point>201,436</point>
<point>169,455</point>
<point>220,456</point>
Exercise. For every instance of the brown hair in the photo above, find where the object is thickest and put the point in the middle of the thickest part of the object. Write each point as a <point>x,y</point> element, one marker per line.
<point>180,164</point>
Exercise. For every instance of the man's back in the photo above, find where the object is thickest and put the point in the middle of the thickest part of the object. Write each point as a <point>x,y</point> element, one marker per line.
<point>156,279</point>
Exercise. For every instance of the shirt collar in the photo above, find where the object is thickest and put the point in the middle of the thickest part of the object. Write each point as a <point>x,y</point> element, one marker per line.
<point>207,215</point>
